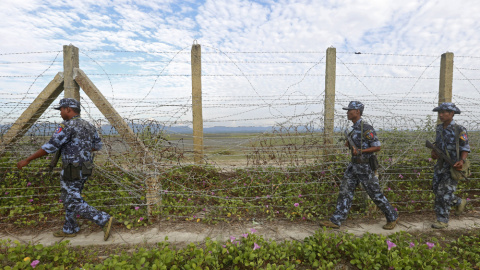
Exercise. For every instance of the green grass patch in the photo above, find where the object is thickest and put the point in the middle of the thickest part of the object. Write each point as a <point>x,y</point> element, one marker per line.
<point>323,250</point>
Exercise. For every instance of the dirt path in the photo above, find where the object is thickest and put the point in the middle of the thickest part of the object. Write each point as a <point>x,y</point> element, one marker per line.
<point>182,233</point>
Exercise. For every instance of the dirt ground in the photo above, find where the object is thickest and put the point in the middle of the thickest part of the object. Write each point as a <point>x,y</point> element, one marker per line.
<point>182,233</point>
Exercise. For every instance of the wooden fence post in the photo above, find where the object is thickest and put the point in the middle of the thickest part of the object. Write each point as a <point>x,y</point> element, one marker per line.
<point>196,55</point>
<point>138,148</point>
<point>446,79</point>
<point>329,112</point>
<point>70,62</point>
<point>33,112</point>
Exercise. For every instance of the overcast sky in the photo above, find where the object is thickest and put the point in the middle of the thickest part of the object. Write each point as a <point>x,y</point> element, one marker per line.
<point>158,36</point>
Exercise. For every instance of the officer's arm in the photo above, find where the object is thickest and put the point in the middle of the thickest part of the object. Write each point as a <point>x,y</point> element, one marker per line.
<point>459,164</point>
<point>40,153</point>
<point>372,149</point>
<point>97,142</point>
<point>373,141</point>
<point>464,148</point>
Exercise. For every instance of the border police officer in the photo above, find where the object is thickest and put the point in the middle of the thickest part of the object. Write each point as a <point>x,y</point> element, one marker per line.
<point>443,185</point>
<point>76,139</point>
<point>359,170</point>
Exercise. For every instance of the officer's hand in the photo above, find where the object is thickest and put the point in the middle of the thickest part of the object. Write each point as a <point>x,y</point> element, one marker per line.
<point>434,155</point>
<point>458,165</point>
<point>347,144</point>
<point>22,163</point>
<point>355,152</point>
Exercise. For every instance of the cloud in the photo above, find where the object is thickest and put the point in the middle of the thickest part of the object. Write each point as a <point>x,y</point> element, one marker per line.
<point>393,37</point>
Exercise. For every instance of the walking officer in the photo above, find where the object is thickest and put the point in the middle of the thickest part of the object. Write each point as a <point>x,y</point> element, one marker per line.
<point>452,140</point>
<point>76,139</point>
<point>360,170</point>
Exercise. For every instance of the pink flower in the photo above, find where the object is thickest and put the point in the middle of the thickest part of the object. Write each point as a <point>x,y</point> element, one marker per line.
<point>390,244</point>
<point>232,238</point>
<point>78,216</point>
<point>255,246</point>
<point>245,235</point>
<point>401,176</point>
<point>389,189</point>
<point>430,245</point>
<point>299,196</point>
<point>323,172</point>
<point>412,244</point>
<point>141,218</point>
<point>31,200</point>
<point>136,208</point>
<point>266,206</point>
<point>253,230</point>
<point>296,204</point>
<point>429,159</point>
<point>468,199</point>
<point>191,199</point>
<point>268,196</point>
<point>224,246</point>
<point>29,184</point>
<point>396,209</point>
<point>6,193</point>
<point>35,263</point>
<point>303,218</point>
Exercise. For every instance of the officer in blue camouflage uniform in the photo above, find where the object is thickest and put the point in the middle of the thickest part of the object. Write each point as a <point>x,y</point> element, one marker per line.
<point>76,139</point>
<point>443,185</point>
<point>359,171</point>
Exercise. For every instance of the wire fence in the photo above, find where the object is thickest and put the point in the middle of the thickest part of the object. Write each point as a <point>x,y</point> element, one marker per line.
<point>265,155</point>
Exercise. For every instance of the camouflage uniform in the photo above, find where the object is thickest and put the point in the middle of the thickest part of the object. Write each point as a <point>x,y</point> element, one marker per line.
<point>361,173</point>
<point>76,138</point>
<point>443,185</point>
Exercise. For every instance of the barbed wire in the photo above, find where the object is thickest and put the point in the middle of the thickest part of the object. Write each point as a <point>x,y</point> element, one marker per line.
<point>284,151</point>
<point>17,53</point>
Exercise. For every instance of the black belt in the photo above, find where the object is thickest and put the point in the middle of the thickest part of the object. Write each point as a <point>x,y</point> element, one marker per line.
<point>360,160</point>
<point>75,164</point>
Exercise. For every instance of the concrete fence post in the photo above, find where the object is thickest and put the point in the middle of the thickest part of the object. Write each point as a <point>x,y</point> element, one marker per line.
<point>70,62</point>
<point>329,112</point>
<point>446,79</point>
<point>196,55</point>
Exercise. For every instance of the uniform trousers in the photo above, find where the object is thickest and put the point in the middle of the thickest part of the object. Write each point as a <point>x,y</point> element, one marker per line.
<point>74,204</point>
<point>444,187</point>
<point>355,174</point>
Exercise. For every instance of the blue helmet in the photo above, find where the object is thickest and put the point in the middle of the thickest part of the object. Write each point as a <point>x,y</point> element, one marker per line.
<point>68,102</point>
<point>355,105</point>
<point>447,106</point>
